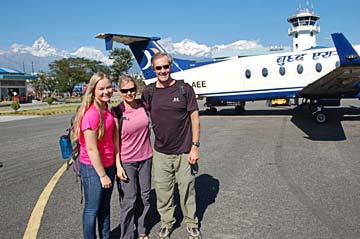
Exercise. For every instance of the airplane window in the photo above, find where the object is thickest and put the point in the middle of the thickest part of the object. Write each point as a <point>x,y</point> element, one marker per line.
<point>282,70</point>
<point>337,64</point>
<point>318,67</point>
<point>265,72</point>
<point>300,68</point>
<point>248,74</point>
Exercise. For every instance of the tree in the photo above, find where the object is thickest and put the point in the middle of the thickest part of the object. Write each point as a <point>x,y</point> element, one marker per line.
<point>72,71</point>
<point>43,83</point>
<point>122,62</point>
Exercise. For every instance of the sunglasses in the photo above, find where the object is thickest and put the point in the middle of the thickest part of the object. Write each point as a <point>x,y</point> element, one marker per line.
<point>124,91</point>
<point>158,68</point>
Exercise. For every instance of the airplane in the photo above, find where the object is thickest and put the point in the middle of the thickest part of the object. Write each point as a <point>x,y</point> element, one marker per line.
<point>320,76</point>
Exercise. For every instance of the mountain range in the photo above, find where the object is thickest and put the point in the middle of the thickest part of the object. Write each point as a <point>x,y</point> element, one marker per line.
<point>37,57</point>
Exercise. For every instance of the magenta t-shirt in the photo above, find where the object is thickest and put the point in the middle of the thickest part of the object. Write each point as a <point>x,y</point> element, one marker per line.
<point>90,120</point>
<point>135,135</point>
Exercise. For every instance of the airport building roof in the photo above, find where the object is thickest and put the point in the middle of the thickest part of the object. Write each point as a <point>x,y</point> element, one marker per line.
<point>4,70</point>
<point>6,73</point>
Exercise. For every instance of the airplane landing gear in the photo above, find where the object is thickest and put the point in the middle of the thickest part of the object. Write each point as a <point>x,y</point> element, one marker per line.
<point>320,118</point>
<point>319,115</point>
<point>211,111</point>
<point>240,108</point>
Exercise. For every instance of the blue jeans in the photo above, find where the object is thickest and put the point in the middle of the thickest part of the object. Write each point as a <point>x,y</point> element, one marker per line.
<point>97,201</point>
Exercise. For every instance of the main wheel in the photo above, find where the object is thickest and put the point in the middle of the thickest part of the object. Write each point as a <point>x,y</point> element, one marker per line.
<point>239,109</point>
<point>211,111</point>
<point>320,118</point>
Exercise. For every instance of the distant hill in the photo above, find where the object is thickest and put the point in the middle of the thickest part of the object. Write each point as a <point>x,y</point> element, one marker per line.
<point>38,56</point>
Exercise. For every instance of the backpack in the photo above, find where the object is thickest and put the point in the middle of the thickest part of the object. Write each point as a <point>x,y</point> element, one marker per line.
<point>70,150</point>
<point>152,87</point>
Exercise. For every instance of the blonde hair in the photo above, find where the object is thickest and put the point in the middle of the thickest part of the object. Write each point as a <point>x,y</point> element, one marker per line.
<point>126,79</point>
<point>88,100</point>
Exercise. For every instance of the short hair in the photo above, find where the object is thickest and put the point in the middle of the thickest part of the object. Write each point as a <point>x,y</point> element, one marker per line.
<point>126,79</point>
<point>159,55</point>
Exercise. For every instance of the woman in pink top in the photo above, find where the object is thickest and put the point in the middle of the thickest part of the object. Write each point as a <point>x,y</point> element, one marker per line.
<point>134,165</point>
<point>95,129</point>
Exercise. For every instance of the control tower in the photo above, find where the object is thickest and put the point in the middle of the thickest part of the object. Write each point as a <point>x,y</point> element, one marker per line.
<point>303,29</point>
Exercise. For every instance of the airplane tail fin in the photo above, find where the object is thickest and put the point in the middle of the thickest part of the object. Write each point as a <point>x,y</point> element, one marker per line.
<point>347,54</point>
<point>143,48</point>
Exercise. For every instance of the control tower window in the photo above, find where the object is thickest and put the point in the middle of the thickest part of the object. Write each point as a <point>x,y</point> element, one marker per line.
<point>300,68</point>
<point>265,72</point>
<point>248,73</point>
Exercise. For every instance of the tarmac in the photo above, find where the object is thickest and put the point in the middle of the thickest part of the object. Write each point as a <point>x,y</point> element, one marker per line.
<point>270,173</point>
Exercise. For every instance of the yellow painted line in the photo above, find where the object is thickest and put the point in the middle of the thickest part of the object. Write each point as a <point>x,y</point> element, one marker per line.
<point>38,211</point>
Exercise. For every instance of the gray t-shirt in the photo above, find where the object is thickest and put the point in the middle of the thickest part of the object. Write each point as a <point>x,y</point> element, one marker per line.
<point>170,117</point>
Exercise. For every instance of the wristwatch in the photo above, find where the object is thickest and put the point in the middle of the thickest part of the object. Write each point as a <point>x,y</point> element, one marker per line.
<point>197,144</point>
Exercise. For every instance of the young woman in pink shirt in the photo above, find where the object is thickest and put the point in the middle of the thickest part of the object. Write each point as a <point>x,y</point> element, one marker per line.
<point>95,129</point>
<point>134,165</point>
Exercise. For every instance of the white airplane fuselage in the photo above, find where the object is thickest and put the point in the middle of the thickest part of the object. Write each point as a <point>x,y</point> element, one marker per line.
<point>227,79</point>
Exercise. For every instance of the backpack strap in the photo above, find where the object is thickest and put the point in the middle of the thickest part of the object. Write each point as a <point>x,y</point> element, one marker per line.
<point>147,111</point>
<point>148,96</point>
<point>116,110</point>
<point>182,89</point>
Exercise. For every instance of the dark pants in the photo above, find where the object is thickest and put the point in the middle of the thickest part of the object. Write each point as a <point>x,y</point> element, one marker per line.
<point>139,180</point>
<point>97,202</point>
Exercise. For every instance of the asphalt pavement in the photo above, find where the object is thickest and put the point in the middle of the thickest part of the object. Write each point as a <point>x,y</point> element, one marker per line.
<point>270,173</point>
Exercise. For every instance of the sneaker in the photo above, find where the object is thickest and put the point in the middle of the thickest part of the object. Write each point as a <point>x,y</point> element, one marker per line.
<point>164,232</point>
<point>194,232</point>
<point>143,236</point>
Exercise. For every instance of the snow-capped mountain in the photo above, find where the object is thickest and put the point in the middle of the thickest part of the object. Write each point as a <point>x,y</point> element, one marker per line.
<point>40,48</point>
<point>41,54</point>
<point>192,49</point>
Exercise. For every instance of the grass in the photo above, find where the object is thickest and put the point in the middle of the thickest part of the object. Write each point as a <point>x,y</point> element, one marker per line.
<point>44,110</point>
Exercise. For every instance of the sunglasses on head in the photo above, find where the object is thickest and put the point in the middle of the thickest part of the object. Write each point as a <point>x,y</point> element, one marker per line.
<point>158,68</point>
<point>124,91</point>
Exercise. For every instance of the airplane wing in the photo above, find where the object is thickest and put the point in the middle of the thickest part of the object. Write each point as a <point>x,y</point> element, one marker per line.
<point>341,82</point>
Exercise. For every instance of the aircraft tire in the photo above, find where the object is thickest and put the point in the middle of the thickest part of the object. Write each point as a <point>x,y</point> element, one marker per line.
<point>211,111</point>
<point>239,109</point>
<point>320,118</point>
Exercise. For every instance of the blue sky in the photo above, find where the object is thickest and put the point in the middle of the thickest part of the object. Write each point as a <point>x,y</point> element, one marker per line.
<point>68,25</point>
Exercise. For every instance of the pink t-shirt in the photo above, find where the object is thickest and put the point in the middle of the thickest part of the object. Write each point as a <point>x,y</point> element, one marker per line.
<point>135,136</point>
<point>90,120</point>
